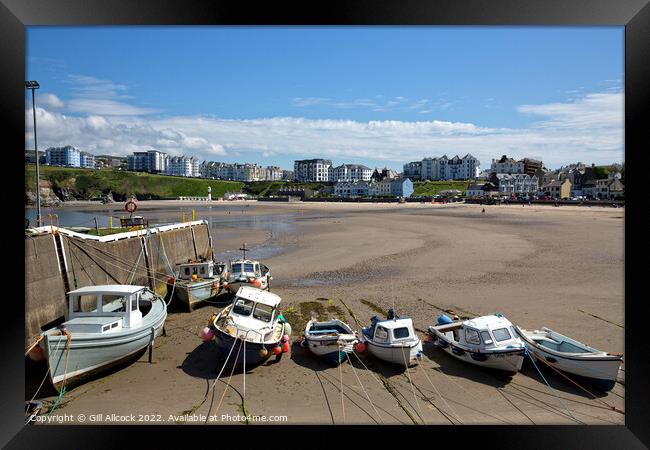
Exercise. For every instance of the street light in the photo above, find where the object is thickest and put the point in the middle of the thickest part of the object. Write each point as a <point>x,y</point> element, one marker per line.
<point>33,85</point>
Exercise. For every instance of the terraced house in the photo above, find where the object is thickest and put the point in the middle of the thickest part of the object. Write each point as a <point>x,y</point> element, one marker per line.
<point>518,183</point>
<point>443,168</point>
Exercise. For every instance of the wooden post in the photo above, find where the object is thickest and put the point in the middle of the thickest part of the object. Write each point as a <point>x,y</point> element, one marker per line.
<point>192,214</point>
<point>110,222</point>
<point>96,226</point>
<point>150,352</point>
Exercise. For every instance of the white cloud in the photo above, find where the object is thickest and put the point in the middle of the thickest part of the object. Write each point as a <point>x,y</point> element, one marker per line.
<point>589,129</point>
<point>49,101</point>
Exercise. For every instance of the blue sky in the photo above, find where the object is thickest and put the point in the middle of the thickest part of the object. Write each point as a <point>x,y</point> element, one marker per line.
<point>381,96</point>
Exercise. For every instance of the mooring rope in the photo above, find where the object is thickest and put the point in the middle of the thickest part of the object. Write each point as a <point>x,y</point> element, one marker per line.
<point>456,416</point>
<point>227,384</point>
<point>341,378</point>
<point>408,374</point>
<point>549,386</point>
<point>363,388</point>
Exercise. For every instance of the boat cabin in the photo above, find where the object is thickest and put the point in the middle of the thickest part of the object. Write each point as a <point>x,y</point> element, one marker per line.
<point>106,308</point>
<point>248,268</point>
<point>392,331</point>
<point>486,332</point>
<point>202,269</point>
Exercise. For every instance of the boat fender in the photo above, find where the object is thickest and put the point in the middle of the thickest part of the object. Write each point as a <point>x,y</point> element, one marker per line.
<point>360,347</point>
<point>286,347</point>
<point>36,354</point>
<point>287,328</point>
<point>285,338</point>
<point>443,319</point>
<point>207,334</point>
<point>277,350</point>
<point>263,352</point>
<point>195,277</point>
<point>211,319</point>
<point>170,280</point>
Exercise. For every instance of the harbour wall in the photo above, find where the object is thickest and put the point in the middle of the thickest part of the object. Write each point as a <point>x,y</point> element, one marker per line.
<point>57,261</point>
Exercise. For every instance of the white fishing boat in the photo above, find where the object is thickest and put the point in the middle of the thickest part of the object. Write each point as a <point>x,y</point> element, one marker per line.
<point>393,340</point>
<point>331,339</point>
<point>488,341</point>
<point>253,324</point>
<point>197,282</point>
<point>106,325</point>
<point>568,355</point>
<point>247,272</point>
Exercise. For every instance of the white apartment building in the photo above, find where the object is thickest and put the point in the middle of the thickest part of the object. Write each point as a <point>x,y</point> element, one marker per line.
<point>182,166</point>
<point>272,173</point>
<point>507,165</point>
<point>351,172</point>
<point>518,183</point>
<point>443,168</point>
<point>312,170</point>
<point>149,161</point>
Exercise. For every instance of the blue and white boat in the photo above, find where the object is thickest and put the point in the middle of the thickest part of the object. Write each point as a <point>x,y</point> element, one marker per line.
<point>393,340</point>
<point>599,368</point>
<point>106,325</point>
<point>489,341</point>
<point>331,339</point>
<point>252,326</point>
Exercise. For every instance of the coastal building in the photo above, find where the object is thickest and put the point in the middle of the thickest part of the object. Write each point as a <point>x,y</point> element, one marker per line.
<point>86,160</point>
<point>512,184</point>
<point>272,173</point>
<point>383,174</point>
<point>67,156</point>
<point>443,168</point>
<point>30,157</point>
<point>182,166</point>
<point>557,189</point>
<point>413,170</point>
<point>287,175</point>
<point>401,187</point>
<point>532,166</point>
<point>152,161</point>
<point>481,190</point>
<point>507,165</point>
<point>312,170</point>
<point>290,191</point>
<point>110,162</point>
<point>348,189</point>
<point>398,187</point>
<point>351,172</point>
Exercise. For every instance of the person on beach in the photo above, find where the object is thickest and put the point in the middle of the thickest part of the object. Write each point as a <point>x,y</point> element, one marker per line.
<point>483,212</point>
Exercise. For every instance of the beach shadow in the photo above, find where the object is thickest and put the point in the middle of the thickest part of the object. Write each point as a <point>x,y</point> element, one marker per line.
<point>303,357</point>
<point>453,367</point>
<point>206,361</point>
<point>558,382</point>
<point>35,372</point>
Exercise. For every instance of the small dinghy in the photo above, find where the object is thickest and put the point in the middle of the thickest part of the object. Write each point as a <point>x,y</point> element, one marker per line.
<point>106,325</point>
<point>488,341</point>
<point>332,339</point>
<point>570,356</point>
<point>253,325</point>
<point>393,339</point>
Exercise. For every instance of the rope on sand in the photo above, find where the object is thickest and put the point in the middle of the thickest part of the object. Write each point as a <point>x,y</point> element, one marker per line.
<point>363,388</point>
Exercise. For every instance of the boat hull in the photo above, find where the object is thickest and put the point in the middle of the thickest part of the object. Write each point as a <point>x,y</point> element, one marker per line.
<point>233,286</point>
<point>249,352</point>
<point>404,356</point>
<point>599,370</point>
<point>192,294</point>
<point>504,360</point>
<point>88,354</point>
<point>329,350</point>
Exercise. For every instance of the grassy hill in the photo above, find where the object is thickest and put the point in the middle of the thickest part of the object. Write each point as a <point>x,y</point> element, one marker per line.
<point>87,183</point>
<point>428,188</point>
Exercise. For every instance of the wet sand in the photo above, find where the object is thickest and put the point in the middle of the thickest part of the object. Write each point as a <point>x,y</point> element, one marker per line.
<point>538,265</point>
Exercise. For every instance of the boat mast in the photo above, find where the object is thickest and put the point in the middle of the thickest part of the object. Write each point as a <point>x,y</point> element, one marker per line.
<point>244,249</point>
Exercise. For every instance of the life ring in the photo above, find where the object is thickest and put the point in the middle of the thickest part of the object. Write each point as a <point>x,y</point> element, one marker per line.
<point>130,206</point>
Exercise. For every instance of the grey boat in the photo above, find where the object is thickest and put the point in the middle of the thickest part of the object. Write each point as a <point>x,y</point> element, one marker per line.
<point>106,325</point>
<point>197,282</point>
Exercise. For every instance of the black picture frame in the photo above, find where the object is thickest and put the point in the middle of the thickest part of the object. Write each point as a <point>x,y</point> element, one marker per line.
<point>15,15</point>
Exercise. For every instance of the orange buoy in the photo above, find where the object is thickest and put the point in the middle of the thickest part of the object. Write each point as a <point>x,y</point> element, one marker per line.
<point>36,354</point>
<point>170,280</point>
<point>286,347</point>
<point>360,347</point>
<point>277,350</point>
<point>257,283</point>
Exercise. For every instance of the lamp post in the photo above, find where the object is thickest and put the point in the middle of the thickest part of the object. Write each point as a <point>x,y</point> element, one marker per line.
<point>33,85</point>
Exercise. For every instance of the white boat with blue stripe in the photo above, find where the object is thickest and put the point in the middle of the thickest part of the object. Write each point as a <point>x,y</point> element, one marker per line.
<point>488,341</point>
<point>331,339</point>
<point>597,367</point>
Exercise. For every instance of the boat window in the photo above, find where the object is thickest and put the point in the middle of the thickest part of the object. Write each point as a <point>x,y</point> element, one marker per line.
<point>134,303</point>
<point>236,268</point>
<point>243,307</point>
<point>501,334</point>
<point>113,303</point>
<point>263,312</point>
<point>401,333</point>
<point>471,336</point>
<point>381,334</point>
<point>248,267</point>
<point>84,303</point>
<point>202,270</point>
<point>487,339</point>
<point>187,271</point>
<point>194,271</point>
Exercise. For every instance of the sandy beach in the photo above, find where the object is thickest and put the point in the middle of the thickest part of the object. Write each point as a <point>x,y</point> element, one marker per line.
<point>560,267</point>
